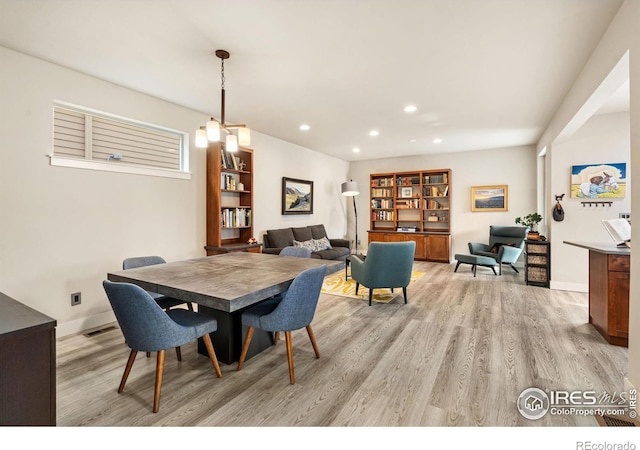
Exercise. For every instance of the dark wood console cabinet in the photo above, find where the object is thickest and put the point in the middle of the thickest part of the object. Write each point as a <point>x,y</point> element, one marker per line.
<point>27,365</point>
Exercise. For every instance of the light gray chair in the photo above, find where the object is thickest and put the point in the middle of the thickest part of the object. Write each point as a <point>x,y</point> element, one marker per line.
<point>299,252</point>
<point>293,312</point>
<point>147,327</point>
<point>143,261</point>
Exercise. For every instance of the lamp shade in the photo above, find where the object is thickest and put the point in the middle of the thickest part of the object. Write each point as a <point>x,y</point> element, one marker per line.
<point>201,138</point>
<point>213,131</point>
<point>350,188</point>
<point>231,143</point>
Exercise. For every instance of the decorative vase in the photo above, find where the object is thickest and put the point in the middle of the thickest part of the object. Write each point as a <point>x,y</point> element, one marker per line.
<point>533,236</point>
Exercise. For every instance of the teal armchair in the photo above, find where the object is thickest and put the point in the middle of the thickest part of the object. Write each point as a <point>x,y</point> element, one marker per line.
<point>506,244</point>
<point>387,265</point>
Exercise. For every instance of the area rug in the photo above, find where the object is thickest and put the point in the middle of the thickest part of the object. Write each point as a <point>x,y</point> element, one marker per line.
<point>335,284</point>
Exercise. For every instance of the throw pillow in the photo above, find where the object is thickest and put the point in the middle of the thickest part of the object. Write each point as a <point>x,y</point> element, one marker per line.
<point>305,244</point>
<point>322,244</point>
<point>497,245</point>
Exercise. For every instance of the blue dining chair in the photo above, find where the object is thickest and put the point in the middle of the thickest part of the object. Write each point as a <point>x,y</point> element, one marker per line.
<point>300,252</point>
<point>143,261</point>
<point>148,328</point>
<point>293,312</point>
<point>387,265</point>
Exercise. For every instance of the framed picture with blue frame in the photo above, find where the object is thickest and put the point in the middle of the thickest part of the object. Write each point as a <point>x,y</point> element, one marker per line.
<point>599,180</point>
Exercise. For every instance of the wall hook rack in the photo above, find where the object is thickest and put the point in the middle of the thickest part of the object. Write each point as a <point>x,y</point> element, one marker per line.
<point>596,204</point>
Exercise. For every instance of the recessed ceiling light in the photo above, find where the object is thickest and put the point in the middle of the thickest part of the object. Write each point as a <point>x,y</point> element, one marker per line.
<point>374,133</point>
<point>437,140</point>
<point>410,108</point>
<point>304,127</point>
<point>412,141</point>
<point>355,150</point>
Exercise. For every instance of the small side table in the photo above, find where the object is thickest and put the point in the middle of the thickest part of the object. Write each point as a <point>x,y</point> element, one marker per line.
<point>537,270</point>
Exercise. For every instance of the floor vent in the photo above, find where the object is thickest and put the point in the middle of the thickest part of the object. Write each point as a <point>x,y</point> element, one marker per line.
<point>102,330</point>
<point>612,421</point>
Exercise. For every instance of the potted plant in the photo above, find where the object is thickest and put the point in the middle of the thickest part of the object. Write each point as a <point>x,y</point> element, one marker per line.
<point>531,220</point>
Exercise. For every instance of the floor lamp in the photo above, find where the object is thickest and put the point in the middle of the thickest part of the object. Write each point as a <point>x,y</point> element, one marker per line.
<point>350,189</point>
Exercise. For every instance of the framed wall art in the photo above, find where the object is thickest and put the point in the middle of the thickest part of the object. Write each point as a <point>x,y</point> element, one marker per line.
<point>599,180</point>
<point>297,196</point>
<point>489,198</point>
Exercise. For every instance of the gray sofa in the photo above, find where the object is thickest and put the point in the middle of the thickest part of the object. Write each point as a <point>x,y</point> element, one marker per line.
<point>275,240</point>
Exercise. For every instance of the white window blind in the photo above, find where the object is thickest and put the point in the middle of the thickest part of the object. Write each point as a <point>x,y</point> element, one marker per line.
<point>116,143</point>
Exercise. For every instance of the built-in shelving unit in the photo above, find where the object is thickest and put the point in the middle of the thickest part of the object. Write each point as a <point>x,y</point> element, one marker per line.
<point>413,206</point>
<point>229,200</point>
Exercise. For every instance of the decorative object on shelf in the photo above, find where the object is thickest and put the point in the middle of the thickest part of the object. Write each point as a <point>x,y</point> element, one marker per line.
<point>212,131</point>
<point>252,241</point>
<point>297,196</point>
<point>242,165</point>
<point>530,220</point>
<point>350,189</point>
<point>558,210</point>
<point>489,198</point>
<point>406,192</point>
<point>599,180</point>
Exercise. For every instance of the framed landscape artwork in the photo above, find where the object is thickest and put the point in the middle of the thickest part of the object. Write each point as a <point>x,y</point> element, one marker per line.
<point>599,180</point>
<point>297,196</point>
<point>489,198</point>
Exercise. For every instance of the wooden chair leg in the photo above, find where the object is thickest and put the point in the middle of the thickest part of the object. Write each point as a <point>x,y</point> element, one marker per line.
<point>178,354</point>
<point>159,370</point>
<point>148,354</point>
<point>127,370</point>
<point>313,341</point>
<point>276,337</point>
<point>245,347</point>
<point>287,337</point>
<point>212,354</point>
<point>404,292</point>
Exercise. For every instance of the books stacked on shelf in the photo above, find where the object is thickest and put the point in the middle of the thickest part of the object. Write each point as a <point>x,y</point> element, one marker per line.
<point>435,191</point>
<point>434,204</point>
<point>236,217</point>
<point>382,203</point>
<point>407,229</point>
<point>438,179</point>
<point>229,161</point>
<point>228,183</point>
<point>378,192</point>
<point>383,215</point>
<point>382,182</point>
<point>408,181</point>
<point>413,203</point>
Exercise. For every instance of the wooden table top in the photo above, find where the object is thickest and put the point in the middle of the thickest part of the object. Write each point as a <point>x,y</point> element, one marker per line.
<point>226,282</point>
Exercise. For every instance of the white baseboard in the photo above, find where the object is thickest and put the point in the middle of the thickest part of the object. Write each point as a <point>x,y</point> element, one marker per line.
<point>564,286</point>
<point>85,324</point>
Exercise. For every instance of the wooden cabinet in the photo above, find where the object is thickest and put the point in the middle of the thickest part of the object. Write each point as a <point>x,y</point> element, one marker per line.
<point>609,296</point>
<point>537,269</point>
<point>229,200</point>
<point>429,246</point>
<point>27,365</point>
<point>413,206</point>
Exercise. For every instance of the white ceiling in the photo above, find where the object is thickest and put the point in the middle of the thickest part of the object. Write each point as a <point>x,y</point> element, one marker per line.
<point>483,73</point>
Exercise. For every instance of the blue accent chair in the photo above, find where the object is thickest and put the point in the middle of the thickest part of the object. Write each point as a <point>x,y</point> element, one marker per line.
<point>299,252</point>
<point>506,244</point>
<point>387,265</point>
<point>147,327</point>
<point>143,261</point>
<point>293,312</point>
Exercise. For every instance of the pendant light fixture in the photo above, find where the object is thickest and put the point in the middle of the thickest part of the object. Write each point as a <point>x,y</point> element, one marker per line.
<point>214,131</point>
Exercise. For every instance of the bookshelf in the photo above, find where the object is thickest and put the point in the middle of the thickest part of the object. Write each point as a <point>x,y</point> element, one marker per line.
<point>229,200</point>
<point>413,206</point>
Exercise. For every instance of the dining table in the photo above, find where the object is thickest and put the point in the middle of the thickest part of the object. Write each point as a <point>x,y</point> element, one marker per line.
<point>224,286</point>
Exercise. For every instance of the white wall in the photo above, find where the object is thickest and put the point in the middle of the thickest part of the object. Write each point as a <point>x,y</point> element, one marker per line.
<point>602,139</point>
<point>63,229</point>
<point>622,36</point>
<point>515,167</point>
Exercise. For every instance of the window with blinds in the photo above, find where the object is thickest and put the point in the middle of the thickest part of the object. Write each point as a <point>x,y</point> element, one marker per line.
<point>115,143</point>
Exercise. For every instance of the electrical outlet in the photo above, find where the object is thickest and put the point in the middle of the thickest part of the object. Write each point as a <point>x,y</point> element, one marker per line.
<point>76,298</point>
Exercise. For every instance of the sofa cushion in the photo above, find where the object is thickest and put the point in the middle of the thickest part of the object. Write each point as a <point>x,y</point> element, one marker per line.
<point>318,231</point>
<point>280,238</point>
<point>302,234</point>
<point>332,253</point>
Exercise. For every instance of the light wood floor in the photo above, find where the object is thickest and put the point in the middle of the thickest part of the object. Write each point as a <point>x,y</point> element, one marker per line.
<point>458,354</point>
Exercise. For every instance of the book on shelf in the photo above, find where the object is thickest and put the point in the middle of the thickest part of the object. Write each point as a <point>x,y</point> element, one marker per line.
<point>407,229</point>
